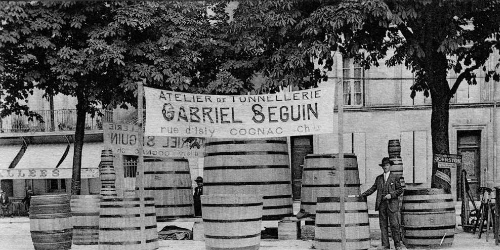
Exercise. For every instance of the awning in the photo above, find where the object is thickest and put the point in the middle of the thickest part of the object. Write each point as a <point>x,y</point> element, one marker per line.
<point>40,161</point>
<point>7,154</point>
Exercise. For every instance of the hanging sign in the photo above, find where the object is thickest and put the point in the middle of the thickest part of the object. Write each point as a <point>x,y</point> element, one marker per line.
<point>303,112</point>
<point>46,173</point>
<point>123,139</point>
<point>447,160</point>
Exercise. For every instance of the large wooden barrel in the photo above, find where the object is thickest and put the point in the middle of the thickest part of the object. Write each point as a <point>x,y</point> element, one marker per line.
<point>85,218</point>
<point>257,166</point>
<point>397,168</point>
<point>394,148</point>
<point>168,180</point>
<point>50,222</point>
<point>232,222</point>
<point>327,233</point>
<point>320,178</point>
<point>428,216</point>
<point>120,224</point>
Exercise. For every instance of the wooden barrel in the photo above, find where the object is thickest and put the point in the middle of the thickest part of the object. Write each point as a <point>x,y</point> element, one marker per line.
<point>168,181</point>
<point>328,226</point>
<point>50,222</point>
<point>394,148</point>
<point>320,179</point>
<point>397,168</point>
<point>85,219</point>
<point>232,222</point>
<point>120,224</point>
<point>428,216</point>
<point>257,166</point>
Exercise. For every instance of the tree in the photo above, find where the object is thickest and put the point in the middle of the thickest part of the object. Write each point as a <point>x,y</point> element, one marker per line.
<point>97,52</point>
<point>429,37</point>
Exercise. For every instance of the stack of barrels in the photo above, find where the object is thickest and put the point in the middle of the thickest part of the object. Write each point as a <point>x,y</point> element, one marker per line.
<point>394,150</point>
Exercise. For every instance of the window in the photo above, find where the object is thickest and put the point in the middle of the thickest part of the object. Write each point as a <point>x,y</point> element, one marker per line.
<point>56,185</point>
<point>130,167</point>
<point>353,83</point>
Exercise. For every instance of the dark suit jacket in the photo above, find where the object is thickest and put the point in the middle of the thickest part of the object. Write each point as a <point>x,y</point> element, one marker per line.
<point>394,188</point>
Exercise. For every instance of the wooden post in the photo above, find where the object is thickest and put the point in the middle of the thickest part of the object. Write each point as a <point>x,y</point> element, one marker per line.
<point>140,160</point>
<point>340,129</point>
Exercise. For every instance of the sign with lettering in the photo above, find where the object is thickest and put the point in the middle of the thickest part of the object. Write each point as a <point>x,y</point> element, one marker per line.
<point>447,161</point>
<point>46,173</point>
<point>123,139</point>
<point>303,112</point>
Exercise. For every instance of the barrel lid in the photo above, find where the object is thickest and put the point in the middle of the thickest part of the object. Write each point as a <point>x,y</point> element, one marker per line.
<point>424,191</point>
<point>346,155</point>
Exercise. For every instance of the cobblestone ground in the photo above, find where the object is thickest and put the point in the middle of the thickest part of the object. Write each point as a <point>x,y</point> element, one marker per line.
<point>15,235</point>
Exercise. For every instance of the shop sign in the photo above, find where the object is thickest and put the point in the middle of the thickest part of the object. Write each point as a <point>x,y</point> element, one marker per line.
<point>47,173</point>
<point>293,113</point>
<point>123,139</point>
<point>447,160</point>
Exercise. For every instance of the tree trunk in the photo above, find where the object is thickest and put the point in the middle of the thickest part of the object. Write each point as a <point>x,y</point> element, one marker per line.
<point>440,93</point>
<point>81,111</point>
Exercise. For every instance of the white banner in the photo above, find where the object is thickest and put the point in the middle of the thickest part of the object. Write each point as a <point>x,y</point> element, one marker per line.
<point>123,139</point>
<point>303,112</point>
<point>46,173</point>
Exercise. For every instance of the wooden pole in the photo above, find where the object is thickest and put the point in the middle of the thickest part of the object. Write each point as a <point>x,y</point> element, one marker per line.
<point>340,129</point>
<point>140,160</point>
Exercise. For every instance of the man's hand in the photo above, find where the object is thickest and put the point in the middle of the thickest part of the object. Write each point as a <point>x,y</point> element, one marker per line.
<point>387,197</point>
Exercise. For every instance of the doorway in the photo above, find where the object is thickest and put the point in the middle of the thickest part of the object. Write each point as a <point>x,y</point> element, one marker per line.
<point>469,146</point>
<point>301,146</point>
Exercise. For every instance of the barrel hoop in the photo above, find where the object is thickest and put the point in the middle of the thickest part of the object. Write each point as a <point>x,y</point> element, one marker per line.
<point>165,188</point>
<point>232,237</point>
<point>245,167</point>
<point>329,156</point>
<point>234,205</point>
<point>119,242</point>
<point>232,221</point>
<point>277,207</point>
<point>245,183</point>
<point>307,203</point>
<point>152,240</point>
<point>245,142</point>
<point>126,199</point>
<point>166,172</point>
<point>125,228</point>
<point>61,231</point>
<point>163,160</point>
<point>124,215</point>
<point>340,240</point>
<point>85,214</point>
<point>121,206</point>
<point>276,216</point>
<point>347,225</point>
<point>427,210</point>
<point>268,197</point>
<point>338,211</point>
<point>248,153</point>
<point>428,201</point>
<point>170,218</point>
<point>49,216</point>
<point>85,227</point>
<point>327,169</point>
<point>337,199</point>
<point>424,191</point>
<point>332,185</point>
<point>430,237</point>
<point>174,205</point>
<point>410,228</point>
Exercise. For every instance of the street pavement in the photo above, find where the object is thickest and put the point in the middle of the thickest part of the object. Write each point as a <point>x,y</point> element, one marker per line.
<point>15,235</point>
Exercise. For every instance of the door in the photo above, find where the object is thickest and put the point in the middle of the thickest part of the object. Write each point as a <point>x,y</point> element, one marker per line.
<point>469,143</point>
<point>301,146</point>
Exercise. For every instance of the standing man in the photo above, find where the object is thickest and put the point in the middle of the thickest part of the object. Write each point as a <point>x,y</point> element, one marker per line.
<point>4,203</point>
<point>198,191</point>
<point>388,189</point>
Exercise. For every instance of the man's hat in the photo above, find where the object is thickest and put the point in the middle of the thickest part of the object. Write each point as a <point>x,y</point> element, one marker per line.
<point>386,160</point>
<point>199,179</point>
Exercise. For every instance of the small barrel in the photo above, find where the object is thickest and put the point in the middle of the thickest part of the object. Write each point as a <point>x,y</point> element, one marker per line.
<point>397,168</point>
<point>168,180</point>
<point>120,224</point>
<point>320,178</point>
<point>428,218</point>
<point>85,218</point>
<point>256,166</point>
<point>232,221</point>
<point>394,148</point>
<point>328,223</point>
<point>50,222</point>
